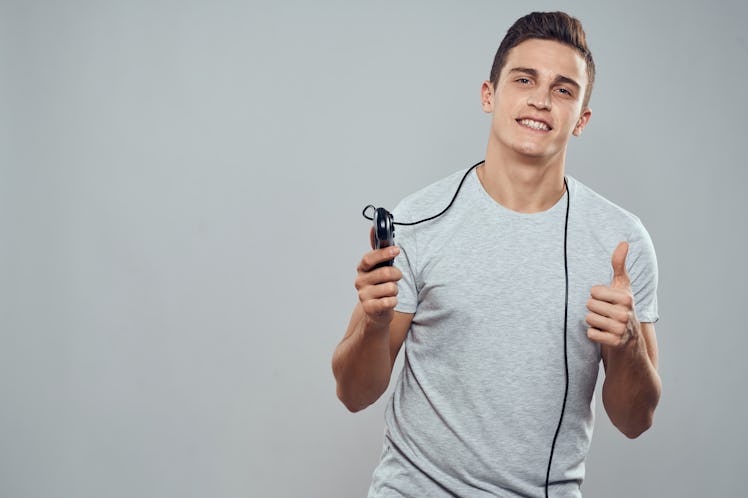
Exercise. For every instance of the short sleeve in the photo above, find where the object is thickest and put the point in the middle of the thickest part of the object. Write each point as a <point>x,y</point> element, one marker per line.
<point>641,265</point>
<point>407,294</point>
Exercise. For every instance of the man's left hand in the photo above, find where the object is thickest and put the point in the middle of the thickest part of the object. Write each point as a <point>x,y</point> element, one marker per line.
<point>612,318</point>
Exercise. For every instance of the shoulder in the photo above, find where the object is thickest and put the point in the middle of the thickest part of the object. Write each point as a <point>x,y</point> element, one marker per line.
<point>598,211</point>
<point>603,224</point>
<point>430,199</point>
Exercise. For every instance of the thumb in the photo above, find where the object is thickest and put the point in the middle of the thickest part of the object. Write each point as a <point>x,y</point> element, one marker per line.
<point>371,238</point>
<point>620,277</point>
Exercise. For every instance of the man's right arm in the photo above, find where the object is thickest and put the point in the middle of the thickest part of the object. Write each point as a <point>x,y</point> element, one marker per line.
<point>363,361</point>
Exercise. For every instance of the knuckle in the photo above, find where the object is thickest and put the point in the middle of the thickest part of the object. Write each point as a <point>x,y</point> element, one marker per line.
<point>359,282</point>
<point>391,288</point>
<point>375,306</point>
<point>368,308</point>
<point>628,300</point>
<point>387,273</point>
<point>384,305</point>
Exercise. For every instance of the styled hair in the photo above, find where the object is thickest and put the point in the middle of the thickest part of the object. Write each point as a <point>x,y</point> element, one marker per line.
<point>556,26</point>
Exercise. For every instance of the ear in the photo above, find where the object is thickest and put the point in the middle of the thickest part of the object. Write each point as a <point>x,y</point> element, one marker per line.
<point>584,118</point>
<point>486,97</point>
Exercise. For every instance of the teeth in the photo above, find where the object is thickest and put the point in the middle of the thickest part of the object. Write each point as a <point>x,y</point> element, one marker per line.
<point>536,125</point>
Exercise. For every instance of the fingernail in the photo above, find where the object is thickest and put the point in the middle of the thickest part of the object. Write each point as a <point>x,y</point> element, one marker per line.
<point>394,251</point>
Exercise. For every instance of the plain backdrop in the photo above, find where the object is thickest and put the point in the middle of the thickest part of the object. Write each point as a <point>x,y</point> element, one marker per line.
<point>181,185</point>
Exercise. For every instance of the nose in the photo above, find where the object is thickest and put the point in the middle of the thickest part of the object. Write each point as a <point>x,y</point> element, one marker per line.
<point>540,99</point>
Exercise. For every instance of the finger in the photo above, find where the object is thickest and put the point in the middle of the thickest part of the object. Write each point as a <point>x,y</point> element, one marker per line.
<point>605,324</point>
<point>378,306</point>
<point>372,239</point>
<point>378,276</point>
<point>611,295</point>
<point>386,289</point>
<point>618,260</point>
<point>600,337</point>
<point>613,311</point>
<point>373,258</point>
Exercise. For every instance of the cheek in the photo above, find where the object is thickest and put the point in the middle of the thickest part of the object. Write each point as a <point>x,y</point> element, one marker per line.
<point>503,120</point>
<point>504,110</point>
<point>571,120</point>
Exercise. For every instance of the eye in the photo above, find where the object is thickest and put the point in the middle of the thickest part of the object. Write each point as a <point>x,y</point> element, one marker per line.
<point>565,91</point>
<point>524,81</point>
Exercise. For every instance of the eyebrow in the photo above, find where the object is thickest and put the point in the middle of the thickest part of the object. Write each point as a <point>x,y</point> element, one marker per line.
<point>534,73</point>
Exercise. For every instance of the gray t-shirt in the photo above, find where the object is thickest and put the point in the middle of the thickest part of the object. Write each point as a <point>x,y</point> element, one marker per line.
<point>479,397</point>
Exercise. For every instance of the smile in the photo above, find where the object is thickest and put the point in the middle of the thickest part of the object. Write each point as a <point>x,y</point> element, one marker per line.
<point>535,125</point>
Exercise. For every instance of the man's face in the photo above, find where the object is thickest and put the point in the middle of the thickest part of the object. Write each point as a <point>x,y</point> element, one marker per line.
<point>537,103</point>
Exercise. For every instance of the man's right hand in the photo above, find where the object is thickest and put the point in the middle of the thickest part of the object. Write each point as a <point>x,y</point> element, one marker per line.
<point>377,287</point>
<point>362,363</point>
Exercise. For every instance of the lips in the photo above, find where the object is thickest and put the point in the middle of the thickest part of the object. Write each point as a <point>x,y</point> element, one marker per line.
<point>534,124</point>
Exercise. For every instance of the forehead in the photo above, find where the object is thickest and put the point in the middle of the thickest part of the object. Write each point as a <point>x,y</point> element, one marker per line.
<point>548,57</point>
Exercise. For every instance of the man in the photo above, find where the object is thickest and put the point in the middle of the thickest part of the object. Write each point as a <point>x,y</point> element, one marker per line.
<point>508,301</point>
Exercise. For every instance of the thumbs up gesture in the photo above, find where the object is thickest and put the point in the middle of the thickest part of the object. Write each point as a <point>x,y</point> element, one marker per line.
<point>612,318</point>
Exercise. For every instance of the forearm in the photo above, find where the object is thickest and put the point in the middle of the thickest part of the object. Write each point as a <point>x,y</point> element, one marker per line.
<point>632,387</point>
<point>362,365</point>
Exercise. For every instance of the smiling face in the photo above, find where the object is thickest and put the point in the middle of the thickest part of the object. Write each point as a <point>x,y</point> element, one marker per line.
<point>537,102</point>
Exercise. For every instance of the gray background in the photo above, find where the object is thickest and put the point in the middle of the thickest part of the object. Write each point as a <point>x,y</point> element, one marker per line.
<point>181,185</point>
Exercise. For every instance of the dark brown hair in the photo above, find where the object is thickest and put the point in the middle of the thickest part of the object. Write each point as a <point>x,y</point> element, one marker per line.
<point>557,26</point>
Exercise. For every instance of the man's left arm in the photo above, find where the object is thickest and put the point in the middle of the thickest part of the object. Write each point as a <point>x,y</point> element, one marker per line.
<point>632,385</point>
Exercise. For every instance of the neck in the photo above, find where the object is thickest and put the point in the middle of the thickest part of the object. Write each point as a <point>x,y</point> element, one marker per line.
<point>525,185</point>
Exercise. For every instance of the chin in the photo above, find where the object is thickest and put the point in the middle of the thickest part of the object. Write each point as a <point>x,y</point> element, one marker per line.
<point>531,150</point>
